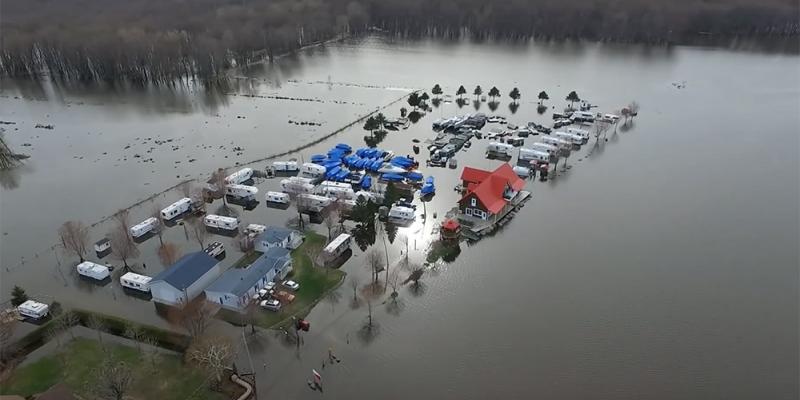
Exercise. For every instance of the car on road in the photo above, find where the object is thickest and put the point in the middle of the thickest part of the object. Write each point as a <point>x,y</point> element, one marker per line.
<point>271,304</point>
<point>292,285</point>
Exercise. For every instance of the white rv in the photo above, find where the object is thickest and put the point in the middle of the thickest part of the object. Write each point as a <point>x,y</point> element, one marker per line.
<point>177,208</point>
<point>136,282</point>
<point>533,155</point>
<point>570,137</point>
<point>94,271</point>
<point>312,170</point>
<point>500,148</point>
<point>287,166</point>
<point>102,245</point>
<point>239,177</point>
<point>220,222</point>
<point>547,148</point>
<point>342,185</point>
<point>336,247</point>
<point>580,132</point>
<point>401,214</point>
<point>582,116</point>
<point>33,309</point>
<point>313,202</point>
<point>297,185</point>
<point>277,197</point>
<point>338,193</point>
<point>522,171</point>
<point>144,227</point>
<point>241,191</point>
<point>554,141</point>
<point>255,228</point>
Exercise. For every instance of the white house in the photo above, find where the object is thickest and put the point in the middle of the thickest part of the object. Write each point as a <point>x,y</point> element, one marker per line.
<point>237,286</point>
<point>275,236</point>
<point>185,280</point>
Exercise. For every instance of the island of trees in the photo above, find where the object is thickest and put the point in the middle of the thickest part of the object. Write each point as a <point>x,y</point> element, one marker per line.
<point>159,41</point>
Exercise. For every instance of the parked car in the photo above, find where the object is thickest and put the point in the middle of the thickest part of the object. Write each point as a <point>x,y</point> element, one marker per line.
<point>266,290</point>
<point>271,304</point>
<point>294,286</point>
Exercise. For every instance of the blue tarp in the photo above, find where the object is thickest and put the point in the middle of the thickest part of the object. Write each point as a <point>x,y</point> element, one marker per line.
<point>392,177</point>
<point>375,165</point>
<point>366,182</point>
<point>317,158</point>
<point>414,176</point>
<point>344,146</point>
<point>429,180</point>
<point>428,187</point>
<point>342,174</point>
<point>332,172</point>
<point>360,152</point>
<point>330,164</point>
<point>349,160</point>
<point>401,161</point>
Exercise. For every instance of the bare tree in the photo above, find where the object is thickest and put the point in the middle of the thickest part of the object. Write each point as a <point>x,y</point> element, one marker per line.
<point>354,284</point>
<point>123,245</point>
<point>313,250</point>
<point>123,220</point>
<point>134,332</point>
<point>75,238</point>
<point>194,317</point>
<point>600,128</point>
<point>169,253</point>
<point>415,276</point>
<point>198,197</point>
<point>331,219</point>
<point>115,378</point>
<point>65,322</point>
<point>187,189</point>
<point>220,184</point>
<point>374,264</point>
<point>634,108</point>
<point>394,279</point>
<point>369,312</point>
<point>96,324</point>
<point>199,232</point>
<point>300,204</point>
<point>159,228</point>
<point>7,326</point>
<point>213,353</point>
<point>151,352</point>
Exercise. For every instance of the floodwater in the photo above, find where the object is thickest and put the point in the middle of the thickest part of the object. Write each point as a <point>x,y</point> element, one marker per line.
<point>662,264</point>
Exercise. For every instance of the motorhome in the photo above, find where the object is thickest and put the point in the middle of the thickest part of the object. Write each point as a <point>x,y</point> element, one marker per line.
<point>313,202</point>
<point>241,176</point>
<point>93,271</point>
<point>177,208</point>
<point>338,193</point>
<point>582,116</point>
<point>136,282</point>
<point>533,155</point>
<point>341,185</point>
<point>336,247</point>
<point>297,185</point>
<point>144,227</point>
<point>285,166</point>
<point>241,191</point>
<point>277,197</point>
<point>312,170</point>
<point>547,148</point>
<point>560,143</point>
<point>401,214</point>
<point>580,132</point>
<point>610,118</point>
<point>220,222</point>
<point>33,309</point>
<point>570,137</point>
<point>255,228</point>
<point>500,148</point>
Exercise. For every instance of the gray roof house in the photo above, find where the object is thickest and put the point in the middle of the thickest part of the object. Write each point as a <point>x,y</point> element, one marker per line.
<point>185,280</point>
<point>236,287</point>
<point>276,236</point>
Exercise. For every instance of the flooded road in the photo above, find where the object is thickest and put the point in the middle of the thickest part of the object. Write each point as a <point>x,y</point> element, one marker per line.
<point>663,264</point>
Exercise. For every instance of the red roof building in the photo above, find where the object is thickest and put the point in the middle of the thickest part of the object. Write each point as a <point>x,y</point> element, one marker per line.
<point>487,193</point>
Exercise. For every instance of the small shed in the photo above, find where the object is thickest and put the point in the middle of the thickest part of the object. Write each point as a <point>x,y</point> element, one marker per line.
<point>451,229</point>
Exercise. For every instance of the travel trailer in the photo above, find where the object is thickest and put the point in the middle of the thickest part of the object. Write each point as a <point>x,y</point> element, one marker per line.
<point>93,271</point>
<point>285,166</point>
<point>515,141</point>
<point>144,227</point>
<point>338,193</point>
<point>580,132</point>
<point>313,202</point>
<point>33,309</point>
<point>570,137</point>
<point>102,245</point>
<point>239,177</point>
<point>522,171</point>
<point>554,141</point>
<point>136,282</point>
<point>401,214</point>
<point>312,170</point>
<point>297,185</point>
<point>177,208</point>
<point>533,155</point>
<point>255,229</point>
<point>241,191</point>
<point>277,197</point>
<point>337,246</point>
<point>220,222</point>
<point>547,148</point>
<point>500,148</point>
<point>582,116</point>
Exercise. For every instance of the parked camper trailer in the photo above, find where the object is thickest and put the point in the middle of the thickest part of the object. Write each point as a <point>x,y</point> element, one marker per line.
<point>33,309</point>
<point>341,185</point>
<point>136,282</point>
<point>285,166</point>
<point>297,185</point>
<point>547,148</point>
<point>241,191</point>
<point>177,208</point>
<point>277,197</point>
<point>533,155</point>
<point>313,202</point>
<point>102,245</point>
<point>570,137</point>
<point>500,148</point>
<point>580,132</point>
<point>522,171</point>
<point>515,141</point>
<point>338,193</point>
<point>144,227</point>
<point>93,271</point>
<point>239,177</point>
<point>336,247</point>
<point>582,116</point>
<point>401,214</point>
<point>312,170</point>
<point>220,222</point>
<point>255,229</point>
<point>554,141</point>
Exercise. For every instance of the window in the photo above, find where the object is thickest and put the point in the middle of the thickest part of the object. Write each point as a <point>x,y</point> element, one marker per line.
<point>473,202</point>
<point>469,211</point>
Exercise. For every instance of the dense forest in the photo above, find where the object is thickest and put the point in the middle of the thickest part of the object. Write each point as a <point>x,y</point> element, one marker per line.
<point>164,40</point>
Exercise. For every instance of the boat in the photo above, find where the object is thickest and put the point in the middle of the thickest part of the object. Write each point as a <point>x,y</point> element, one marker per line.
<point>428,187</point>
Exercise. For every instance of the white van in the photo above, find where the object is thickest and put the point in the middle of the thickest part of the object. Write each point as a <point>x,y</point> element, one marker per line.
<point>533,155</point>
<point>287,166</point>
<point>277,197</point>
<point>500,148</point>
<point>220,222</point>
<point>94,271</point>
<point>312,170</point>
<point>570,137</point>
<point>239,177</point>
<point>33,309</point>
<point>144,227</point>
<point>580,132</point>
<point>136,282</point>
<point>177,208</point>
<point>241,191</point>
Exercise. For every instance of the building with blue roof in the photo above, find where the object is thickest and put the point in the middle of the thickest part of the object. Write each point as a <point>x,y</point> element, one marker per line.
<point>185,280</point>
<point>277,236</point>
<point>237,287</point>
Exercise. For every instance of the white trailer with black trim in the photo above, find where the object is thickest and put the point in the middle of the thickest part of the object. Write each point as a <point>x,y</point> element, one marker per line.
<point>177,208</point>
<point>134,281</point>
<point>220,222</point>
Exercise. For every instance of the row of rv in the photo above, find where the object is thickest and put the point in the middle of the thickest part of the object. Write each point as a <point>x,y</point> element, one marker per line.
<point>547,147</point>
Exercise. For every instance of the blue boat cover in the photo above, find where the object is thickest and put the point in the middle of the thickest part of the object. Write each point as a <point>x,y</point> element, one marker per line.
<point>427,189</point>
<point>366,182</point>
<point>344,146</point>
<point>414,176</point>
<point>392,177</point>
<point>342,174</point>
<point>333,171</point>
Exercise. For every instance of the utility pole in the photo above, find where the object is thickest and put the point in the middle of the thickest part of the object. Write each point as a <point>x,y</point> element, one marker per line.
<point>252,368</point>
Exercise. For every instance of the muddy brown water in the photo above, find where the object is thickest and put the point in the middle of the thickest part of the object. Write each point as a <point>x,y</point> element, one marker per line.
<point>661,264</point>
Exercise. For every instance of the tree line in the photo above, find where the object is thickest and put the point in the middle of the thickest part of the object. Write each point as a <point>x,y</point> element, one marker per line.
<point>161,41</point>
